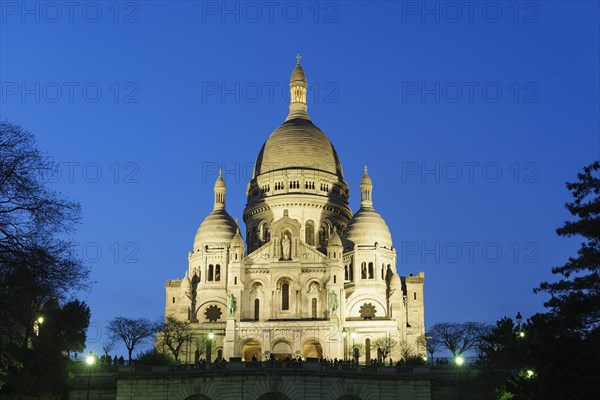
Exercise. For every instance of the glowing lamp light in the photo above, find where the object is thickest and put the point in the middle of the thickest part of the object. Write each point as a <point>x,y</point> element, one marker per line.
<point>344,333</point>
<point>353,334</point>
<point>529,373</point>
<point>90,360</point>
<point>40,320</point>
<point>211,335</point>
<point>424,358</point>
<point>521,334</point>
<point>459,360</point>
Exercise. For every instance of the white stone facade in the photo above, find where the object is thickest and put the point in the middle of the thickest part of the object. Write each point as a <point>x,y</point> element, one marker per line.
<point>312,277</point>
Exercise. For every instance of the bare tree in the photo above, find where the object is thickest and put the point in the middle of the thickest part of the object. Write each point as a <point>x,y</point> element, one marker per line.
<point>107,347</point>
<point>131,331</point>
<point>37,264</point>
<point>430,342</point>
<point>200,341</point>
<point>406,350</point>
<point>385,345</point>
<point>174,334</point>
<point>458,337</point>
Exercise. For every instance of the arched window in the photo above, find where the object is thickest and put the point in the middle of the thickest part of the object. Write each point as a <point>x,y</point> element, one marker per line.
<point>314,307</point>
<point>211,273</point>
<point>285,296</point>
<point>370,270</point>
<point>351,272</point>
<point>324,235</point>
<point>256,309</point>
<point>363,271</point>
<point>382,275</point>
<point>266,235</point>
<point>346,276</point>
<point>217,273</point>
<point>309,233</point>
<point>254,237</point>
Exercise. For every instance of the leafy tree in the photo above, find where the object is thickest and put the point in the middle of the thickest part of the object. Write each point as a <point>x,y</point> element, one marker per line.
<point>575,298</point>
<point>173,334</point>
<point>357,350</point>
<point>155,357</point>
<point>131,331</point>
<point>558,355</point>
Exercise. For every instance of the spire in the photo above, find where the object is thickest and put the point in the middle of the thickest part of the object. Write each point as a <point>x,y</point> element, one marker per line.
<point>298,87</point>
<point>220,191</point>
<point>366,190</point>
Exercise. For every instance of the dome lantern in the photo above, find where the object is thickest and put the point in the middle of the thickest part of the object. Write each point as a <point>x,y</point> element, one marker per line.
<point>218,226</point>
<point>220,191</point>
<point>367,227</point>
<point>366,190</point>
<point>298,87</point>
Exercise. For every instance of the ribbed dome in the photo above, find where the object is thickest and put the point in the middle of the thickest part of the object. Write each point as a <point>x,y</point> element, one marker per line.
<point>298,143</point>
<point>218,227</point>
<point>367,227</point>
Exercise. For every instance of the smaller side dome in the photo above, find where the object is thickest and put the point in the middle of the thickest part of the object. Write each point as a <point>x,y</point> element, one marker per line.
<point>335,239</point>
<point>218,226</point>
<point>237,240</point>
<point>395,282</point>
<point>186,284</point>
<point>367,227</point>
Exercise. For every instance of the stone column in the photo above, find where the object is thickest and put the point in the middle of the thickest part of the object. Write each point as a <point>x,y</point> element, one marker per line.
<point>229,349</point>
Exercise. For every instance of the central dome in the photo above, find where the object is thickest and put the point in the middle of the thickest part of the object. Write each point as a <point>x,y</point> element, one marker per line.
<point>298,144</point>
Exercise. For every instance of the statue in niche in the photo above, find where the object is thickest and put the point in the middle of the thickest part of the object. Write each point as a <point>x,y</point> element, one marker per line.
<point>314,287</point>
<point>286,246</point>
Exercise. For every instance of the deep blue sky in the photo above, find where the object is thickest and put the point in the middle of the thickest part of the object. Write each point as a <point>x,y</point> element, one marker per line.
<point>163,123</point>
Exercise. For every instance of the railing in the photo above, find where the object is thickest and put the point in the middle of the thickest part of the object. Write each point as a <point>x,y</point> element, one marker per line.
<point>236,367</point>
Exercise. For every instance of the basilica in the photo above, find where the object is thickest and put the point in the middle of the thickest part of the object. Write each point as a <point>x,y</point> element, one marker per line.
<point>312,279</point>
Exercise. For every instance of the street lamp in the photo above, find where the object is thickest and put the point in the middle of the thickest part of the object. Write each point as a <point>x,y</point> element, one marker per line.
<point>344,334</point>
<point>211,336</point>
<point>36,325</point>
<point>519,318</point>
<point>459,360</point>
<point>90,360</point>
<point>529,373</point>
